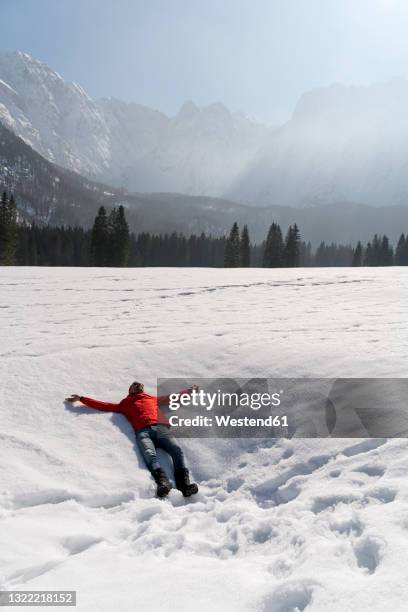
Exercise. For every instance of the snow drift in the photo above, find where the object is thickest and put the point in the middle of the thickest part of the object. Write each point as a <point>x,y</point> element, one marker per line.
<point>278,525</point>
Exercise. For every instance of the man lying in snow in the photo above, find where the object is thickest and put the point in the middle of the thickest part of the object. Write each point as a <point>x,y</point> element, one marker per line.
<point>152,432</point>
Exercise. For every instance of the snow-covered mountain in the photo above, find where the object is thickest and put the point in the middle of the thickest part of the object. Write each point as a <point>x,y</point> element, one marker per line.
<point>48,193</point>
<point>45,192</point>
<point>342,144</point>
<point>200,151</point>
<point>56,118</point>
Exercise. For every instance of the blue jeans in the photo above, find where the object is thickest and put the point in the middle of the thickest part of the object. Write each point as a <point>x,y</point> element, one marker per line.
<point>158,436</point>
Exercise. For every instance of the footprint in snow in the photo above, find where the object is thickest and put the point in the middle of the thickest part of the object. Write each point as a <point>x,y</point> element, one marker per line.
<point>329,502</point>
<point>145,514</point>
<point>369,552</point>
<point>335,473</point>
<point>234,483</point>
<point>293,596</point>
<point>371,470</point>
<point>346,524</point>
<point>383,495</point>
<point>363,447</point>
<point>298,545</point>
<point>287,453</point>
<point>281,568</point>
<point>287,486</point>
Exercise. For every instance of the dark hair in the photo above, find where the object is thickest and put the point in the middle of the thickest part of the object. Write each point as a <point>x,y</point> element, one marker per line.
<point>135,383</point>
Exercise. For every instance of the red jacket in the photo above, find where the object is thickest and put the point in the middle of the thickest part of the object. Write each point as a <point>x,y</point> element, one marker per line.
<point>140,409</point>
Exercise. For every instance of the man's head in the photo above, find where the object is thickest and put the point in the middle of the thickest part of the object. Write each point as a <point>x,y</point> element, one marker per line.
<point>136,387</point>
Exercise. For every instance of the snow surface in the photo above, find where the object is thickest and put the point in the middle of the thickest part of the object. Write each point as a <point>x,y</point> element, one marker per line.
<point>278,526</point>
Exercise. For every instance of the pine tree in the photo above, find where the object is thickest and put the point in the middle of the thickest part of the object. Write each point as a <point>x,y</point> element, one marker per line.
<point>3,225</point>
<point>358,255</point>
<point>305,254</point>
<point>12,231</point>
<point>387,253</point>
<point>379,252</point>
<point>291,252</point>
<point>8,230</point>
<point>32,248</point>
<point>232,248</point>
<point>321,255</point>
<point>405,252</point>
<point>273,256</point>
<point>23,254</point>
<point>368,256</point>
<point>245,248</point>
<point>119,242</point>
<point>376,254</point>
<point>100,239</point>
<point>401,251</point>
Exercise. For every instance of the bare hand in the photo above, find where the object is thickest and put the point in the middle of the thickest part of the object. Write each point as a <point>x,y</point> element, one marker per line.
<point>73,398</point>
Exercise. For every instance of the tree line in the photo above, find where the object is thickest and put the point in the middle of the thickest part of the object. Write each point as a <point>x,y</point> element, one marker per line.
<point>275,251</point>
<point>291,251</point>
<point>110,243</point>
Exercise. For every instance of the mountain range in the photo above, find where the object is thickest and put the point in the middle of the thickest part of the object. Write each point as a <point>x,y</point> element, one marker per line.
<point>48,193</point>
<point>342,144</point>
<point>200,151</point>
<point>64,154</point>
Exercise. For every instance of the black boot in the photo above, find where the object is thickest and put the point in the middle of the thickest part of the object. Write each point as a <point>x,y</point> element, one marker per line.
<point>163,484</point>
<point>183,484</point>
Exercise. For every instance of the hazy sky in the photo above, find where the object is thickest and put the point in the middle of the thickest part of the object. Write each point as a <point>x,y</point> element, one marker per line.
<point>257,56</point>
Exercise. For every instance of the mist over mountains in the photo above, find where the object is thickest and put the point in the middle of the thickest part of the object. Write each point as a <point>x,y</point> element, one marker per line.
<point>342,144</point>
<point>200,151</point>
<point>48,193</point>
<point>338,168</point>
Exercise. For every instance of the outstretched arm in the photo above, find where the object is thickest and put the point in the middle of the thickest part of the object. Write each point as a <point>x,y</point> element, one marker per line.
<point>93,403</point>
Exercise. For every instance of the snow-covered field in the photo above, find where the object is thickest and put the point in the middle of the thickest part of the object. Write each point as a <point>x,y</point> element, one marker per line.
<point>279,526</point>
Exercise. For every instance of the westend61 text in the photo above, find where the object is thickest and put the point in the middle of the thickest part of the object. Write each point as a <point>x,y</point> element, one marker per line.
<point>228,421</point>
